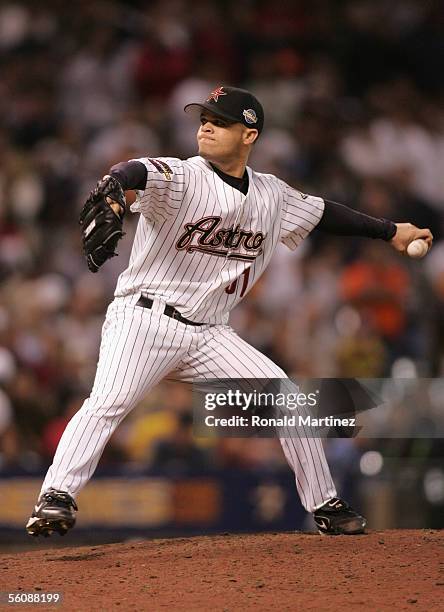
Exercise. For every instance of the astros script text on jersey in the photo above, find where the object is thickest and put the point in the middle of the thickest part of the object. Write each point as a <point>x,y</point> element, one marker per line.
<point>201,244</point>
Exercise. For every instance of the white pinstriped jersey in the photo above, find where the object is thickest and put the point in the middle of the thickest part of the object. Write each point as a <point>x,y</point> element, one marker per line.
<point>201,244</point>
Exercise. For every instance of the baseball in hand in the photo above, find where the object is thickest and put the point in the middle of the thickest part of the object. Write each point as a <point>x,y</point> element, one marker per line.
<point>417,248</point>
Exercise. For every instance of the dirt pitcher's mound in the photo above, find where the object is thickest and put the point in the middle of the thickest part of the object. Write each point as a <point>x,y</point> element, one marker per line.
<point>390,570</point>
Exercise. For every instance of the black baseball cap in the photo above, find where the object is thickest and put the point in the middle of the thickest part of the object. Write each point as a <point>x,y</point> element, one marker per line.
<point>233,104</point>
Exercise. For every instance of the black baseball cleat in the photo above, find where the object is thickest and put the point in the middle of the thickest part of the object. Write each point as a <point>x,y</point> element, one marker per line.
<point>55,511</point>
<point>337,518</point>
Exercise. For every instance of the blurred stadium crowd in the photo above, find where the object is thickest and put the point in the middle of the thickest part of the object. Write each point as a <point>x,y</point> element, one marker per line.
<point>354,112</point>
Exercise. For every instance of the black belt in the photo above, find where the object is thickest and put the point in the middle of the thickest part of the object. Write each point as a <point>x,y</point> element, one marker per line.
<point>170,311</point>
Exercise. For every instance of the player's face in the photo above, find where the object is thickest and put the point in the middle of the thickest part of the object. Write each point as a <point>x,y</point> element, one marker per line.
<point>222,140</point>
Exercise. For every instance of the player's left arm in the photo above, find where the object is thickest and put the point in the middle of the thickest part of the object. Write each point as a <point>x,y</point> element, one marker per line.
<point>341,220</point>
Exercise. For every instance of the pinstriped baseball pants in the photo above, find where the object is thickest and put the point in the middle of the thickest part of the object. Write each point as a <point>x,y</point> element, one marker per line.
<point>139,348</point>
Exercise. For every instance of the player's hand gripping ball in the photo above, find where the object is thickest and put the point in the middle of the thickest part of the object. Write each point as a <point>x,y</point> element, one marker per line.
<point>101,220</point>
<point>417,248</point>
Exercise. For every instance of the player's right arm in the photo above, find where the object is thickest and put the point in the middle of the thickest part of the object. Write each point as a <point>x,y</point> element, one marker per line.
<point>131,174</point>
<point>158,183</point>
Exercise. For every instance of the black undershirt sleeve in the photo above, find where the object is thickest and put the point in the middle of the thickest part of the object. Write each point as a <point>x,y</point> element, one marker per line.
<point>343,221</point>
<point>131,175</point>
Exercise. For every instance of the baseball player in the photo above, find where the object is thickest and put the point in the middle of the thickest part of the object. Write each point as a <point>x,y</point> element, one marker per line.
<point>208,227</point>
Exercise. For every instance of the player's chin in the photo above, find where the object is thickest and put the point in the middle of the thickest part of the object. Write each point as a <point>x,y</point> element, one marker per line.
<point>206,149</point>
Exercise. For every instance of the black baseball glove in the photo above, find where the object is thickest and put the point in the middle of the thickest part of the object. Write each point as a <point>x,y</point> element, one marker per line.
<point>101,225</point>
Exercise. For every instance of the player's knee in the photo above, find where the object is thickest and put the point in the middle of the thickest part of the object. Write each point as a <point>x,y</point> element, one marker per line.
<point>108,406</point>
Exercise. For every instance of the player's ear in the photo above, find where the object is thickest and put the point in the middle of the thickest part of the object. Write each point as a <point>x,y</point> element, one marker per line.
<point>250,136</point>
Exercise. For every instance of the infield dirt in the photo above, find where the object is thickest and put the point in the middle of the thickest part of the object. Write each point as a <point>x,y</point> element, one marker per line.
<point>389,570</point>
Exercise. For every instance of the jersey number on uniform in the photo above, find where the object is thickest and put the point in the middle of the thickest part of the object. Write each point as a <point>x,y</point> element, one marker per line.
<point>232,288</point>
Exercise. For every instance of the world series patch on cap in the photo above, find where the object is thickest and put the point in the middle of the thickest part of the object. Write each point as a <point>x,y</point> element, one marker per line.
<point>233,104</point>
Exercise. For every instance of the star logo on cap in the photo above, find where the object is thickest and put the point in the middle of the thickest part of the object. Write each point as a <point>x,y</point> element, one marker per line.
<point>214,95</point>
